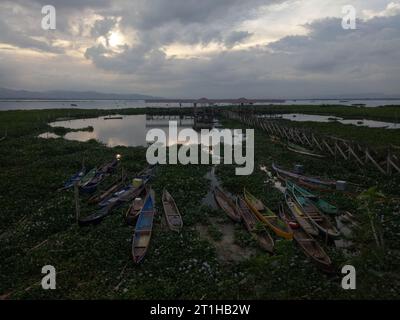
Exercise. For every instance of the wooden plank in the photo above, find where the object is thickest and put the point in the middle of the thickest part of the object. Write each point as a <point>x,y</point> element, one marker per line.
<point>316,142</point>
<point>341,151</point>
<point>394,165</point>
<point>367,154</point>
<point>328,147</point>
<point>388,164</point>
<point>352,152</point>
<point>308,141</point>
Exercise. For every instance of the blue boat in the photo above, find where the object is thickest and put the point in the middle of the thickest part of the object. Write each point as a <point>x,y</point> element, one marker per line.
<point>75,178</point>
<point>101,173</point>
<point>143,229</point>
<point>126,193</point>
<point>115,196</point>
<point>118,199</point>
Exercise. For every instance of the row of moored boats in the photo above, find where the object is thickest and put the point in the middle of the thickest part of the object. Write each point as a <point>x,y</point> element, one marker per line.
<point>137,195</point>
<point>302,216</point>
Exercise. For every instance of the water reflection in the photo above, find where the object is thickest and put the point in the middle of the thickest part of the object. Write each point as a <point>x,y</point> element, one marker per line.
<point>128,131</point>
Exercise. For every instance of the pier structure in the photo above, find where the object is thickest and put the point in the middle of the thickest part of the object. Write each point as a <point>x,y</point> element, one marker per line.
<point>204,108</point>
<point>386,160</point>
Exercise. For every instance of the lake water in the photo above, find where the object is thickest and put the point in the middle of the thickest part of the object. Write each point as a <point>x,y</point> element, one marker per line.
<point>357,122</point>
<point>81,104</point>
<point>131,130</point>
<point>121,104</point>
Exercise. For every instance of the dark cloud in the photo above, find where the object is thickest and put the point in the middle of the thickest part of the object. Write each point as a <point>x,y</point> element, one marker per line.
<point>151,14</point>
<point>74,4</point>
<point>236,37</point>
<point>326,60</point>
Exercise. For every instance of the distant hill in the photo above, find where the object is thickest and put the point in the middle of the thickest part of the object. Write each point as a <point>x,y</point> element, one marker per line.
<point>69,95</point>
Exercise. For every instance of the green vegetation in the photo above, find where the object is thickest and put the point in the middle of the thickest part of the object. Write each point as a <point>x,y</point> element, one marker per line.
<point>37,227</point>
<point>375,137</point>
<point>215,233</point>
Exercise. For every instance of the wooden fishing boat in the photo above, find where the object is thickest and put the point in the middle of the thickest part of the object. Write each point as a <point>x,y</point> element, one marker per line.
<point>148,171</point>
<point>75,178</point>
<point>101,173</point>
<point>226,204</point>
<point>132,191</point>
<point>315,216</point>
<point>88,177</point>
<point>92,185</point>
<point>299,216</point>
<point>109,166</point>
<point>266,216</point>
<point>301,150</point>
<point>125,194</point>
<point>320,203</point>
<point>262,236</point>
<point>172,214</point>
<point>136,206</point>
<point>109,205</point>
<point>99,215</point>
<point>307,243</point>
<point>116,185</point>
<point>311,180</point>
<point>143,229</point>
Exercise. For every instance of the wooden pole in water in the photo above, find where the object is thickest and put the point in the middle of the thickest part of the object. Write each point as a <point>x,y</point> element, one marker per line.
<point>77,207</point>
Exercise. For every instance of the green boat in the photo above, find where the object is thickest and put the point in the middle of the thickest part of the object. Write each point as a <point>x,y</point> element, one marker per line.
<point>318,202</point>
<point>314,214</point>
<point>88,177</point>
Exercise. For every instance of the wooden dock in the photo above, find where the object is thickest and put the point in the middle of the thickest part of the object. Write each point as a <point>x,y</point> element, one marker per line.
<point>385,161</point>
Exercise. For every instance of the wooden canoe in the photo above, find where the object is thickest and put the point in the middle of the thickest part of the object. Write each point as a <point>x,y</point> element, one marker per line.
<point>108,205</point>
<point>143,229</point>
<point>88,177</point>
<point>132,192</point>
<point>263,238</point>
<point>101,173</point>
<point>314,215</point>
<point>99,215</point>
<point>307,243</point>
<point>226,204</point>
<point>74,179</point>
<point>116,185</point>
<point>299,216</point>
<point>147,172</point>
<point>172,214</point>
<point>125,193</point>
<point>266,216</point>
<point>317,201</point>
<point>303,151</point>
<point>109,166</point>
<point>311,180</point>
<point>136,206</point>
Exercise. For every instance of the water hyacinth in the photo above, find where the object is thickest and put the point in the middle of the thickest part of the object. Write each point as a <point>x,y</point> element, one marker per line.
<point>186,265</point>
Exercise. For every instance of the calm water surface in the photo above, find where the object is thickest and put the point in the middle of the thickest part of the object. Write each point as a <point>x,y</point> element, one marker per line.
<point>121,104</point>
<point>130,131</point>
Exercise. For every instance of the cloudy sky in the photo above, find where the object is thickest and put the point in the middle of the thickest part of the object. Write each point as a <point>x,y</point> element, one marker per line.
<point>195,48</point>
